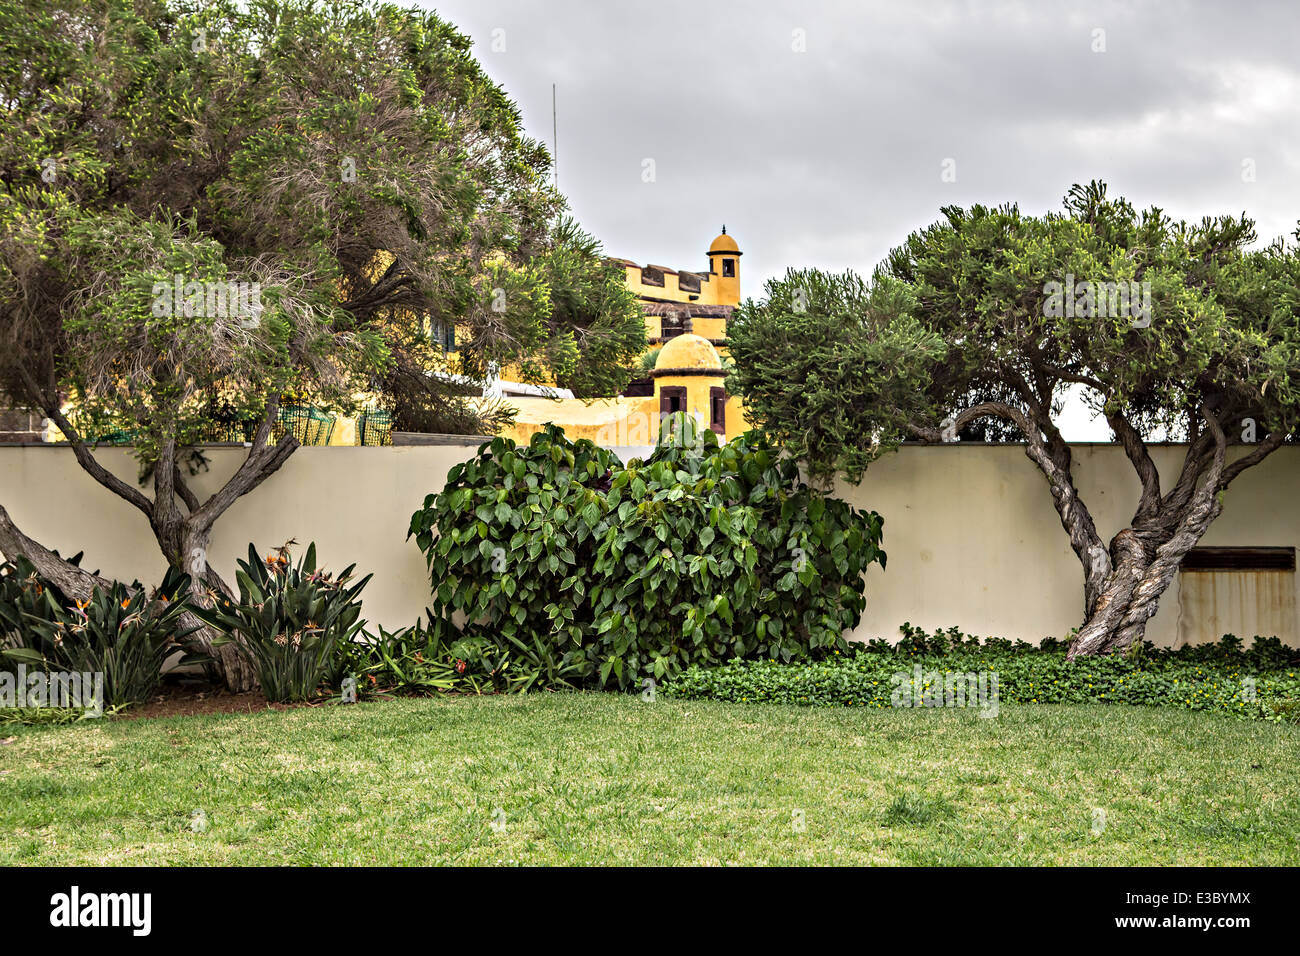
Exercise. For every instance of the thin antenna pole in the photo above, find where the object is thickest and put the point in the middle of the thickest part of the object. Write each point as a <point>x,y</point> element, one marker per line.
<point>555,143</point>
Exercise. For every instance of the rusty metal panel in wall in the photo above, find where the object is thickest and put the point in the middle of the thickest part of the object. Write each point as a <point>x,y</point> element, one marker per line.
<point>1244,602</point>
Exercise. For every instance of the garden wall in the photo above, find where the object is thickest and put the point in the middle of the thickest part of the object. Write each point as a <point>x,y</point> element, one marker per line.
<point>974,540</point>
<point>971,533</point>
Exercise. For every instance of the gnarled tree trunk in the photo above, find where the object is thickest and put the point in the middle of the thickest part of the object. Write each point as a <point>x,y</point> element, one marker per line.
<point>182,525</point>
<point>1145,557</point>
<point>1123,583</point>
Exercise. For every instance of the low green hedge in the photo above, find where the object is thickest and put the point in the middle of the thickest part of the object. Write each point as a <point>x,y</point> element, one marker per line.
<point>1260,684</point>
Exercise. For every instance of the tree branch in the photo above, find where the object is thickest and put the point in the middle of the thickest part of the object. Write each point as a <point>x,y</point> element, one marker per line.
<point>183,489</point>
<point>1140,456</point>
<point>263,460</point>
<point>73,581</point>
<point>87,461</point>
<point>1265,448</point>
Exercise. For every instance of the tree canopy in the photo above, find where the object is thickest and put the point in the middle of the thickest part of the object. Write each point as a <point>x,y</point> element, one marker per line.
<point>214,204</point>
<point>1167,329</point>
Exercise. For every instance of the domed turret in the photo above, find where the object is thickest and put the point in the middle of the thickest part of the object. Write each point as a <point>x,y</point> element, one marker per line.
<point>689,377</point>
<point>724,243</point>
<point>724,268</point>
<point>687,352</point>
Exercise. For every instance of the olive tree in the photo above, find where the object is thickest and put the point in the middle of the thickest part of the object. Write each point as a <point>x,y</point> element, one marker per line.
<point>1167,329</point>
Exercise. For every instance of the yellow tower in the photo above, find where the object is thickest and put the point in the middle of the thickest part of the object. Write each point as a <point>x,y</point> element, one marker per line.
<point>724,266</point>
<point>689,377</point>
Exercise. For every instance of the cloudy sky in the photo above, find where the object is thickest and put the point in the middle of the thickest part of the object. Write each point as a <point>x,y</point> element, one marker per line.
<point>820,132</point>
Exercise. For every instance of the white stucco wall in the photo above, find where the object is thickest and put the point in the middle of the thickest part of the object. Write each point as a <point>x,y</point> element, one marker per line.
<point>972,537</point>
<point>974,540</point>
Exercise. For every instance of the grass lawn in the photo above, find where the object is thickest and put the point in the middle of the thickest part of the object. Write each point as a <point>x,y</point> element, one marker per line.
<point>610,779</point>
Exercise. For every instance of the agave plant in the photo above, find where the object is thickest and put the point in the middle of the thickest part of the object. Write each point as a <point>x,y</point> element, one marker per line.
<point>289,621</point>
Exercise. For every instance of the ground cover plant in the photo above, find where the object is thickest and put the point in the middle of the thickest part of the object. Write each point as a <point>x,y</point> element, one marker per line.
<point>1262,683</point>
<point>609,574</point>
<point>573,778</point>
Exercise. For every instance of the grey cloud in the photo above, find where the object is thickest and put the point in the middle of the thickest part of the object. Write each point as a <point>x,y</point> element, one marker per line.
<point>831,156</point>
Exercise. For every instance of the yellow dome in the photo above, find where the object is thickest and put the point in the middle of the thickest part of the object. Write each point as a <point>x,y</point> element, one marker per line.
<point>724,243</point>
<point>688,351</point>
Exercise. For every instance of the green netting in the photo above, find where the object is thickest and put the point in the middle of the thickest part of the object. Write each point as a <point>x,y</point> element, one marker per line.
<point>234,431</point>
<point>309,425</point>
<point>375,427</point>
<point>110,438</point>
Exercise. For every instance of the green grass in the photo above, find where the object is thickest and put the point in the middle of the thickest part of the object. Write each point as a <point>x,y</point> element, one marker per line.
<point>612,779</point>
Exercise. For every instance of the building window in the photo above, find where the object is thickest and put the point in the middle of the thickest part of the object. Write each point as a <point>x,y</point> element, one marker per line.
<point>718,409</point>
<point>728,268</point>
<point>672,398</point>
<point>444,334</point>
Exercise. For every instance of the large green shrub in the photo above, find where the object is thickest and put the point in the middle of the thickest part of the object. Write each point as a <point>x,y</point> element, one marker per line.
<point>586,571</point>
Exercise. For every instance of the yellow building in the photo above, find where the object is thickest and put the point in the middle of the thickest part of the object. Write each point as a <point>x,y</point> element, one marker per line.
<point>686,319</point>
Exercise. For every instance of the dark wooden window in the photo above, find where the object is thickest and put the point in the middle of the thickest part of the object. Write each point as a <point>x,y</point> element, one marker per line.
<point>1239,559</point>
<point>640,388</point>
<point>444,334</point>
<point>728,267</point>
<point>672,398</point>
<point>718,409</point>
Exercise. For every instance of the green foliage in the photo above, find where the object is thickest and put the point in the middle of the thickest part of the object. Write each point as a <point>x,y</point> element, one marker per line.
<point>413,660</point>
<point>914,810</point>
<point>593,309</point>
<point>23,598</point>
<point>437,657</point>
<point>121,632</point>
<point>1262,683</point>
<point>831,367</point>
<point>48,716</point>
<point>289,621</point>
<point>351,157</point>
<point>586,571</point>
<point>964,313</point>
